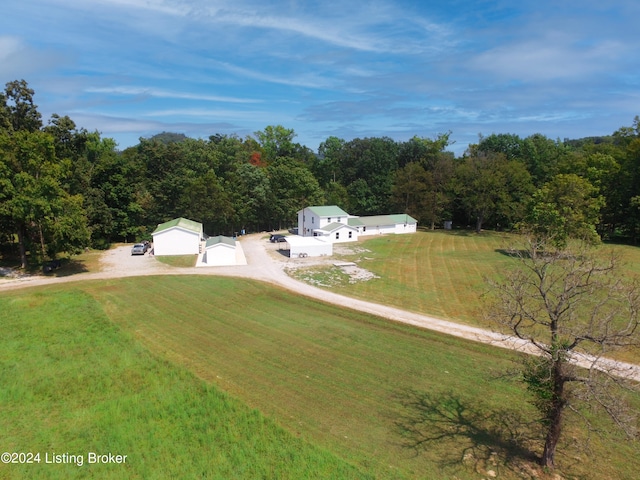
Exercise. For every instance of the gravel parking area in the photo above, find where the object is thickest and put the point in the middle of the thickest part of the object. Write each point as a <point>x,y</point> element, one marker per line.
<point>118,262</point>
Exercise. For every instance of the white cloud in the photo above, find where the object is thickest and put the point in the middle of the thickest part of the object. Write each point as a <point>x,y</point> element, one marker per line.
<point>309,80</point>
<point>335,32</point>
<point>160,6</point>
<point>204,113</point>
<point>18,60</point>
<point>155,92</point>
<point>554,56</point>
<point>366,27</point>
<point>8,47</point>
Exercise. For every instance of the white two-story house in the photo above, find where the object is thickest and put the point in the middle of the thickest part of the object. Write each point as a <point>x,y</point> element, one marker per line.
<point>333,224</point>
<point>330,223</point>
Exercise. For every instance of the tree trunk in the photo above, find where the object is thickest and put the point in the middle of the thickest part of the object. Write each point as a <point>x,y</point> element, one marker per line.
<point>554,417</point>
<point>22,246</point>
<point>479,224</point>
<point>42,246</point>
<point>551,442</point>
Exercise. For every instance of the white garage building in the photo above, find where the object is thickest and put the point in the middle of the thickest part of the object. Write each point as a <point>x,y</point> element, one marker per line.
<point>179,236</point>
<point>300,247</point>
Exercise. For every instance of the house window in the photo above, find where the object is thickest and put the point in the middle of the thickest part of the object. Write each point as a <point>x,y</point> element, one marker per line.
<point>350,234</point>
<point>311,219</point>
<point>329,219</point>
<point>364,229</point>
<point>337,235</point>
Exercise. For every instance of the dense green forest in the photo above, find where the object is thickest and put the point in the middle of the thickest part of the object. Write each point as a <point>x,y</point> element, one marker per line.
<point>63,188</point>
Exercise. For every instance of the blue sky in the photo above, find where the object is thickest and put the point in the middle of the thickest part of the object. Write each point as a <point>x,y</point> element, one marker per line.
<point>134,68</point>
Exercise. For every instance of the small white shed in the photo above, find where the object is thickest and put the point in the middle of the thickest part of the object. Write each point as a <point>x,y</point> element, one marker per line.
<point>179,236</point>
<point>300,247</point>
<point>220,251</point>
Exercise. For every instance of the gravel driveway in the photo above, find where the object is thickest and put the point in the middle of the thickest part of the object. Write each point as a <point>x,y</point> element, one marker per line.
<point>266,263</point>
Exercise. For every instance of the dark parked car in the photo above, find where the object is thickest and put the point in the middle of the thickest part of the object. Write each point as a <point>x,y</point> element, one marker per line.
<point>51,266</point>
<point>277,238</point>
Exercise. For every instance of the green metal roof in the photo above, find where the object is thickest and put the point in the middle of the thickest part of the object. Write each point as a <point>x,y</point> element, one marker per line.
<point>335,226</point>
<point>183,223</point>
<point>376,220</point>
<point>220,239</point>
<point>328,211</point>
<point>403,218</point>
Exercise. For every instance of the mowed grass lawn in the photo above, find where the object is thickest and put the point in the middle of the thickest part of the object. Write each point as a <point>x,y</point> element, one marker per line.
<point>74,382</point>
<point>439,273</point>
<point>227,378</point>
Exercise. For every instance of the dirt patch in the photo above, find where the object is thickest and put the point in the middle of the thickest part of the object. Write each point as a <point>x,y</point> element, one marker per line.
<point>329,275</point>
<point>329,271</point>
<point>357,274</point>
<point>349,249</point>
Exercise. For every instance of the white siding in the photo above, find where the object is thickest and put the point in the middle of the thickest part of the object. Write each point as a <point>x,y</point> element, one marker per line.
<point>310,247</point>
<point>307,222</point>
<point>377,230</point>
<point>341,235</point>
<point>176,241</point>
<point>220,254</point>
<point>405,228</point>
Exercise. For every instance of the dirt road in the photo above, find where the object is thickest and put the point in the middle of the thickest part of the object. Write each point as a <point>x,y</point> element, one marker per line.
<point>266,263</point>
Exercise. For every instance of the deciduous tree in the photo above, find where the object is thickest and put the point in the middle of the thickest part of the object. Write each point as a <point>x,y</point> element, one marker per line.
<point>20,112</point>
<point>37,205</point>
<point>567,206</point>
<point>277,141</point>
<point>568,304</point>
<point>491,187</point>
<point>293,188</point>
<point>410,190</point>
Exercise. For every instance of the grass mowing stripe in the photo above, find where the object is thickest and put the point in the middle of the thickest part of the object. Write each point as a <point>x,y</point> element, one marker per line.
<point>340,379</point>
<point>436,273</point>
<point>73,382</point>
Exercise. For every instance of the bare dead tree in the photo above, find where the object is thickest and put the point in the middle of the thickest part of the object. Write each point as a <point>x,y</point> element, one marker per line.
<point>569,302</point>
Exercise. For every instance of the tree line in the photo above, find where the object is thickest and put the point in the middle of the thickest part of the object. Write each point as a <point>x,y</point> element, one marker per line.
<point>63,188</point>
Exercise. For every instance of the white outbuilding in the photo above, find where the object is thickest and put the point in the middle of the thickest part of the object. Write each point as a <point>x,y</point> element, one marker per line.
<point>219,251</point>
<point>179,236</point>
<point>384,224</point>
<point>301,247</point>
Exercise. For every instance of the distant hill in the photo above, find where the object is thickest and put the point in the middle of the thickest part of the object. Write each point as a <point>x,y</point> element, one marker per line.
<point>169,137</point>
<point>579,142</point>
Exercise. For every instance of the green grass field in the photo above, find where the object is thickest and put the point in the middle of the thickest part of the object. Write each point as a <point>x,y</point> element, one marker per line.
<point>227,378</point>
<point>179,261</point>
<point>74,382</point>
<point>440,273</point>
